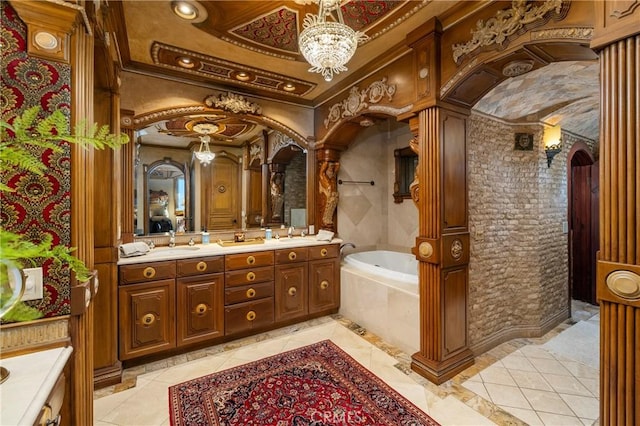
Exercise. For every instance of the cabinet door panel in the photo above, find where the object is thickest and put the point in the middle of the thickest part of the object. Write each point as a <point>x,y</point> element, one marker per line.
<point>200,308</point>
<point>147,324</point>
<point>291,291</point>
<point>324,286</point>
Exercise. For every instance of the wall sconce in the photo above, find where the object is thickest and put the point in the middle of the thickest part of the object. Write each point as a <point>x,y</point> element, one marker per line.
<point>552,142</point>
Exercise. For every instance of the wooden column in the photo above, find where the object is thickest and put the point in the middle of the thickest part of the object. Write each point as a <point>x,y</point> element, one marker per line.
<point>442,245</point>
<point>617,38</point>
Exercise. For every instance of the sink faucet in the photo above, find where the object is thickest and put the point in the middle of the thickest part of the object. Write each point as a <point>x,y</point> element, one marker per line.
<point>172,239</point>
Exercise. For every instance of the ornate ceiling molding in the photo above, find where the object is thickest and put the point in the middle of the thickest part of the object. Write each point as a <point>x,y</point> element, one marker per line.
<point>231,102</point>
<point>506,23</point>
<point>173,57</point>
<point>358,101</point>
<point>576,33</point>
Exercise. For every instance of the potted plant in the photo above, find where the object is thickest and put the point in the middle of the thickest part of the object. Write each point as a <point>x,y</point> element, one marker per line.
<point>28,133</point>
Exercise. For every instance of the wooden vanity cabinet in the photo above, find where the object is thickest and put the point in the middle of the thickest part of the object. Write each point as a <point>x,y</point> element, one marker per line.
<point>248,292</point>
<point>324,279</point>
<point>173,304</point>
<point>291,284</point>
<point>200,300</point>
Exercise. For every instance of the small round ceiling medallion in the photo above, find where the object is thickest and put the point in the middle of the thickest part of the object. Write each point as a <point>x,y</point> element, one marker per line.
<point>516,68</point>
<point>45,40</point>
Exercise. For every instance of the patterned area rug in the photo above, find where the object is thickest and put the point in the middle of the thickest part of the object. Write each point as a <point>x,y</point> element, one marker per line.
<point>316,385</point>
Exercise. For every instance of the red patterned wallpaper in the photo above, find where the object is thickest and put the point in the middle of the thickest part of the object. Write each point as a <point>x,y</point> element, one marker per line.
<point>40,204</point>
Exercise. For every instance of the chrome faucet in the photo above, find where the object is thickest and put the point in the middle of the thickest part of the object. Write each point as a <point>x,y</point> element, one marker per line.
<point>342,246</point>
<point>172,239</point>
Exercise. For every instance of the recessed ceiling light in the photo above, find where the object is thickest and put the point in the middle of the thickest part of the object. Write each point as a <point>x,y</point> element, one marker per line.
<point>185,10</point>
<point>243,76</point>
<point>289,87</point>
<point>186,62</point>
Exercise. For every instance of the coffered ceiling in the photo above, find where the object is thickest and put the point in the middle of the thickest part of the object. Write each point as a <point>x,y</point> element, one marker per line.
<point>252,47</point>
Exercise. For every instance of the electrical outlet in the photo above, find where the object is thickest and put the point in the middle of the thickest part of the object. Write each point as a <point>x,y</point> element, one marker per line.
<point>33,284</point>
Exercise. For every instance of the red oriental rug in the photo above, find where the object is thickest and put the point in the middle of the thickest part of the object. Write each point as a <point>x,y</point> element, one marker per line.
<point>316,385</point>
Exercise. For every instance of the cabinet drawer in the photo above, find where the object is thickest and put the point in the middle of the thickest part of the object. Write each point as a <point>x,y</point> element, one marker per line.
<point>249,276</point>
<point>247,292</point>
<point>145,272</point>
<point>205,265</point>
<point>248,260</point>
<point>248,316</point>
<point>284,256</point>
<point>323,252</point>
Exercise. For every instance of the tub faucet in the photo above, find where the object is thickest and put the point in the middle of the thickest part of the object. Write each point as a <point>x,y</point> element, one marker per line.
<point>342,246</point>
<point>172,239</point>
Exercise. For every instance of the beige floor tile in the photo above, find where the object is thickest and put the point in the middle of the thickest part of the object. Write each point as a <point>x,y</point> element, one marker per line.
<point>450,411</point>
<point>584,407</point>
<point>549,366</point>
<point>518,362</point>
<point>510,396</point>
<point>592,384</point>
<point>567,385</point>
<point>549,402</point>
<point>530,417</point>
<point>497,375</point>
<point>550,419</point>
<point>530,380</point>
<point>477,388</point>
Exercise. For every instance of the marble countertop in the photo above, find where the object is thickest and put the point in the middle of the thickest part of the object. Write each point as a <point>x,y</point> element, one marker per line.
<point>31,379</point>
<point>214,249</point>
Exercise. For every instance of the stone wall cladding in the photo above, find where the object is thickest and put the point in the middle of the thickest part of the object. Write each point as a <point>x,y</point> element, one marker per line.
<point>295,186</point>
<point>518,269</point>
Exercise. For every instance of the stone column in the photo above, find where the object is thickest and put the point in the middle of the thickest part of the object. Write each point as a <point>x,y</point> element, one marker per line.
<point>327,204</point>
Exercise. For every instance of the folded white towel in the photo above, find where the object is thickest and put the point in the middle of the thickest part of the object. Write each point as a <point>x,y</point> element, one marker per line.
<point>324,235</point>
<point>133,249</point>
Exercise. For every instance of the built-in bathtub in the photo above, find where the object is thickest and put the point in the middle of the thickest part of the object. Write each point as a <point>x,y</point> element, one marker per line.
<point>379,291</point>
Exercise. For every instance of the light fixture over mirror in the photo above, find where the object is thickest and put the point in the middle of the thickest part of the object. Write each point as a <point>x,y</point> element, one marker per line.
<point>328,45</point>
<point>204,154</point>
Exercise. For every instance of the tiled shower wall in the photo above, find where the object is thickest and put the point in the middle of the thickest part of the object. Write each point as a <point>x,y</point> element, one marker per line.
<point>367,215</point>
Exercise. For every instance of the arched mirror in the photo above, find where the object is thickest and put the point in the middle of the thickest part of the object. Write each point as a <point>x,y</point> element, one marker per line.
<point>166,189</point>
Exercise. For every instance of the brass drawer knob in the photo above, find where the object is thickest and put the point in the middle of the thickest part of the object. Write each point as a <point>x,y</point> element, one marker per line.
<point>323,252</point>
<point>292,255</point>
<point>292,291</point>
<point>201,308</point>
<point>149,272</point>
<point>251,260</point>
<point>251,316</point>
<point>251,276</point>
<point>148,319</point>
<point>201,266</point>
<point>324,284</point>
<point>251,293</point>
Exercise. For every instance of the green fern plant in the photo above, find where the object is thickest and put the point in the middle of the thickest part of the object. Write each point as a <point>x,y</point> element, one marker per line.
<point>18,141</point>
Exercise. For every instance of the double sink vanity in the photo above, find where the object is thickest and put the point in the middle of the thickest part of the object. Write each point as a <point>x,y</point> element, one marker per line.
<point>174,298</point>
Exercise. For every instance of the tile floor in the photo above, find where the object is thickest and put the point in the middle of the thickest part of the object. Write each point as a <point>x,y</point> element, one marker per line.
<point>520,382</point>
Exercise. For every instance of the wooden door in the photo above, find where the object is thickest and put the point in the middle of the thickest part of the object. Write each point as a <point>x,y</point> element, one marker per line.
<point>221,193</point>
<point>584,232</point>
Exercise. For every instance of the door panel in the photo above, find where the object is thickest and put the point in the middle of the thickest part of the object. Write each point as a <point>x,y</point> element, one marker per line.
<point>221,193</point>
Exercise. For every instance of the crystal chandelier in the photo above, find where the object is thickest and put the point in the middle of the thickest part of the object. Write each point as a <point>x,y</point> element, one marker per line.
<point>204,154</point>
<point>328,45</point>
